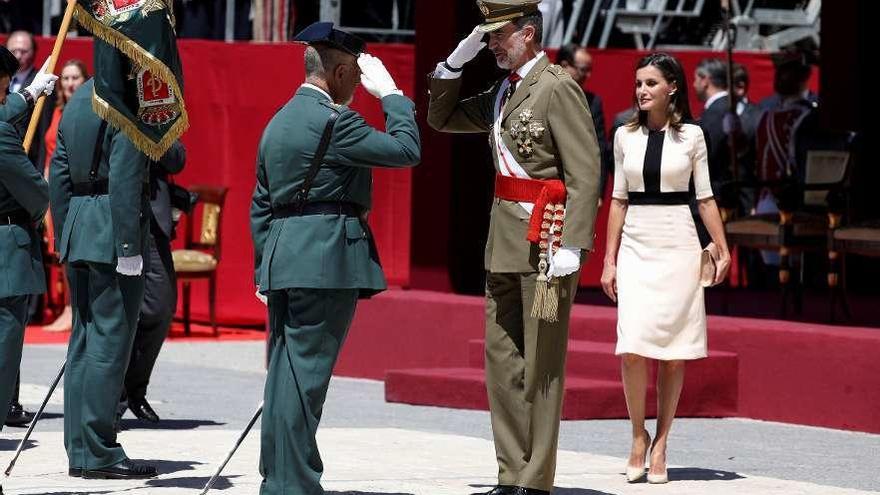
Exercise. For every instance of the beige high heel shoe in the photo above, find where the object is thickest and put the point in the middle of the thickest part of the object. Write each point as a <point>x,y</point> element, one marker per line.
<point>658,479</point>
<point>634,474</point>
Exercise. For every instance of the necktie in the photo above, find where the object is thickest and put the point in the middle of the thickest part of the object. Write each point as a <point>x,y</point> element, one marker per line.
<point>512,79</point>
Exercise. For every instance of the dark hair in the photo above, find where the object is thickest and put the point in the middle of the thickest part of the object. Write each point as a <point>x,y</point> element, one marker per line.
<point>740,76</point>
<point>8,63</point>
<point>679,110</point>
<point>567,52</point>
<point>792,72</point>
<point>536,20</point>
<point>715,70</point>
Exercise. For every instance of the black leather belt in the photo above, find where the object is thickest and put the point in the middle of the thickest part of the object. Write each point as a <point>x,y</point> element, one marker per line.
<point>16,217</point>
<point>92,188</point>
<point>318,208</point>
<point>659,198</point>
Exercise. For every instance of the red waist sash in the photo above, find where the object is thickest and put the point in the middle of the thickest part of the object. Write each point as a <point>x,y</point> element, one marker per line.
<point>540,192</point>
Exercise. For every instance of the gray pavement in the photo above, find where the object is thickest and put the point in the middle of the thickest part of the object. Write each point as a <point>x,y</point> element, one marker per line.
<point>205,393</point>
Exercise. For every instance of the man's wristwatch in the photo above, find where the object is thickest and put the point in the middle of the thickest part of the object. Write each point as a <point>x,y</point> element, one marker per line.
<point>450,68</point>
<point>28,97</point>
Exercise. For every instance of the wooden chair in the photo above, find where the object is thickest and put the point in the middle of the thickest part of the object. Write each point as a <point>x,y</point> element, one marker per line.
<point>802,223</point>
<point>200,256</point>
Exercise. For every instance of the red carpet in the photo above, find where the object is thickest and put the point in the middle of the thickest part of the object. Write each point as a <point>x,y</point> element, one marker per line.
<point>428,348</point>
<point>36,335</point>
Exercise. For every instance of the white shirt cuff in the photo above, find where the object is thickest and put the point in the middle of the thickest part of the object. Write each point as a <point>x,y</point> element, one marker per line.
<point>441,72</point>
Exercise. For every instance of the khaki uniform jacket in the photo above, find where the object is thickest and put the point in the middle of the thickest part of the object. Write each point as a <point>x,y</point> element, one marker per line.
<point>566,149</point>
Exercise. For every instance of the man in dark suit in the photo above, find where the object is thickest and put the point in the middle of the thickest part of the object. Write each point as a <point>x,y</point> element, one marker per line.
<point>23,45</point>
<point>710,86</point>
<point>160,289</point>
<point>578,62</point>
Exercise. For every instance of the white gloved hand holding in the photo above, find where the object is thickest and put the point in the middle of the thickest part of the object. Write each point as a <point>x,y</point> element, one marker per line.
<point>43,83</point>
<point>564,262</point>
<point>375,77</point>
<point>263,299</point>
<point>466,50</point>
<point>130,266</point>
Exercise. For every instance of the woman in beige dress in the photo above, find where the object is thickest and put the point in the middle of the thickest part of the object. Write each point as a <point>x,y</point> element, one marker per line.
<point>653,258</point>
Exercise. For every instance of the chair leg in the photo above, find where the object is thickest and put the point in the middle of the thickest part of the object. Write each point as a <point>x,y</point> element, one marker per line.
<point>186,315</point>
<point>784,279</point>
<point>833,283</point>
<point>212,300</point>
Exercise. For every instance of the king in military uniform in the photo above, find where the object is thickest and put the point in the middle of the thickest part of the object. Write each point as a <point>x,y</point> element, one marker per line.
<point>314,252</point>
<point>546,192</point>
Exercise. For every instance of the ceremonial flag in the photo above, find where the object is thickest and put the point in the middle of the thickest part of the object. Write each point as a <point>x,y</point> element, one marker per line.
<point>138,77</point>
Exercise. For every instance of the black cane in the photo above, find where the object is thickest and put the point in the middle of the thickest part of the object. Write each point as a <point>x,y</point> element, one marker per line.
<point>241,438</point>
<point>36,418</point>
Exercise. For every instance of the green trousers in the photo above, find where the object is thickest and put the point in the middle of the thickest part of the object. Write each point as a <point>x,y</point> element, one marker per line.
<point>105,314</point>
<point>525,377</point>
<point>13,319</point>
<point>308,328</point>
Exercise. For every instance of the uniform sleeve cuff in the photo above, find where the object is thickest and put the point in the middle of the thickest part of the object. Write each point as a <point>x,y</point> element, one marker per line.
<point>441,72</point>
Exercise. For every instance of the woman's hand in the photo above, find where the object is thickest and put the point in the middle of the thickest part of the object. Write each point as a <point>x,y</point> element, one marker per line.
<point>609,280</point>
<point>723,265</point>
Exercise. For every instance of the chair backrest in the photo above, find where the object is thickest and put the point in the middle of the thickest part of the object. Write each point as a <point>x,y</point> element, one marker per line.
<point>210,202</point>
<point>824,167</point>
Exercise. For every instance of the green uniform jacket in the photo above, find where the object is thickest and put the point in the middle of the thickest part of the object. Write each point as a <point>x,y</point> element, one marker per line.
<point>565,149</point>
<point>15,109</point>
<point>21,188</point>
<point>324,251</point>
<point>97,228</point>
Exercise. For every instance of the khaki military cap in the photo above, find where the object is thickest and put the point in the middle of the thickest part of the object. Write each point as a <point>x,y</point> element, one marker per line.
<point>500,12</point>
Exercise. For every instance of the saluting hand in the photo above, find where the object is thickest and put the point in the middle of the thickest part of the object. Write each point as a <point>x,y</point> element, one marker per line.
<point>467,49</point>
<point>375,77</point>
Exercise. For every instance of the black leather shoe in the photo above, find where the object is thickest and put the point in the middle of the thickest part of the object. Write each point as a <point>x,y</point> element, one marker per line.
<point>17,416</point>
<point>521,490</point>
<point>141,408</point>
<point>75,472</point>
<point>499,490</point>
<point>125,470</point>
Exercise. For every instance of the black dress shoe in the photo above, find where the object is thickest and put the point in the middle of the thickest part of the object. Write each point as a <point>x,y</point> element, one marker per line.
<point>499,490</point>
<point>17,416</point>
<point>141,408</point>
<point>521,490</point>
<point>125,470</point>
<point>75,472</point>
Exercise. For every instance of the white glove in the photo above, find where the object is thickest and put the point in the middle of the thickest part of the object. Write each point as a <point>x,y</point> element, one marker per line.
<point>131,266</point>
<point>43,83</point>
<point>375,77</point>
<point>263,299</point>
<point>565,262</point>
<point>466,50</point>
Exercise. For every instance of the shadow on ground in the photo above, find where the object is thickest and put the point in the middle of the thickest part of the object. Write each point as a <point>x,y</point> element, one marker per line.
<point>167,424</point>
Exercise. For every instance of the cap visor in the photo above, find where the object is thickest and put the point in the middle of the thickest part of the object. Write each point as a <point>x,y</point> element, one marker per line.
<point>492,26</point>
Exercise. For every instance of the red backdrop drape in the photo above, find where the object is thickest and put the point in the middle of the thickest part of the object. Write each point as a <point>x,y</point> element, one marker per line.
<point>231,93</point>
<point>232,90</point>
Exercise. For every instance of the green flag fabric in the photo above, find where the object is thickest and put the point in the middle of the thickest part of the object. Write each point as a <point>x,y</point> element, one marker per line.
<point>138,76</point>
